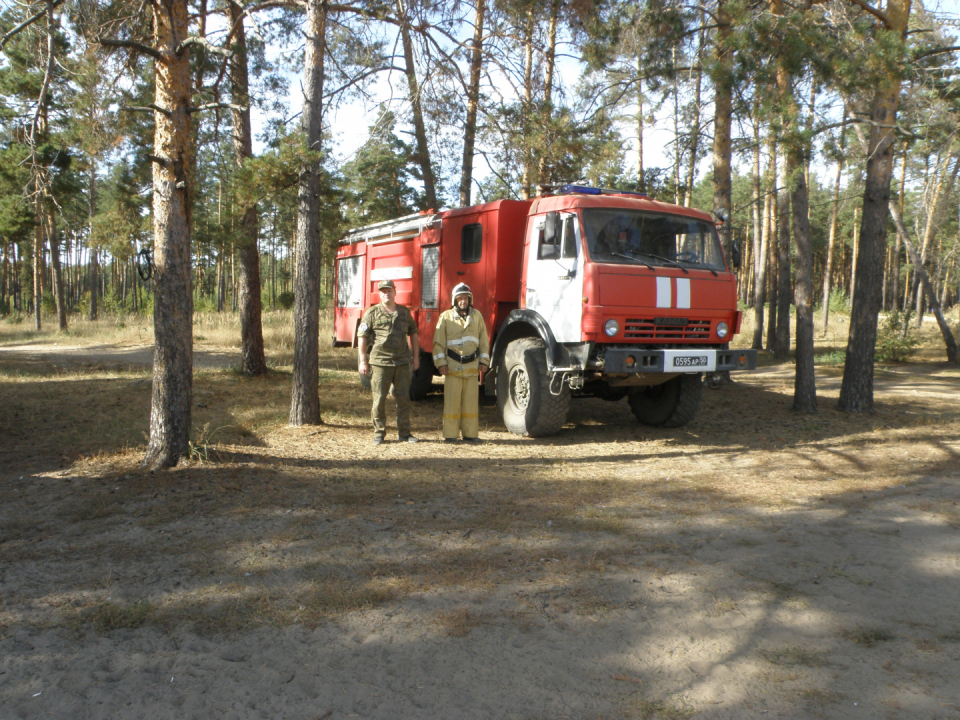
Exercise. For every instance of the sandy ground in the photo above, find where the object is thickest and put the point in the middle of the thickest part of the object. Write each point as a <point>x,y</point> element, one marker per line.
<point>755,564</point>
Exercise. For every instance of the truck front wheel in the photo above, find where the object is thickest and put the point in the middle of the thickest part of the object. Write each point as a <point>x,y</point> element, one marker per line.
<point>523,391</point>
<point>672,404</point>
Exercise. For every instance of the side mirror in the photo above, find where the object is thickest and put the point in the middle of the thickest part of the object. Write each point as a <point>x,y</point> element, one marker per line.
<point>550,227</point>
<point>735,254</point>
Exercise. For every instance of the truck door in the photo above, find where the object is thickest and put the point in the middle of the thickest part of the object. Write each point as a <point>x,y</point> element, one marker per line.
<point>554,276</point>
<point>465,256</point>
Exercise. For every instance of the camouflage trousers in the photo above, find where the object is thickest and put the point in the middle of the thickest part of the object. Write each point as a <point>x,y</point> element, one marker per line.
<point>381,377</point>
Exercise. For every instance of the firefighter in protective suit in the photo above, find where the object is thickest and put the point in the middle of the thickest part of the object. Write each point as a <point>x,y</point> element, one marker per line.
<point>461,353</point>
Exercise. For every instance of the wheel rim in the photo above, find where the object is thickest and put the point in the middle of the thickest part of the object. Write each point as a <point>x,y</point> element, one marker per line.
<point>519,388</point>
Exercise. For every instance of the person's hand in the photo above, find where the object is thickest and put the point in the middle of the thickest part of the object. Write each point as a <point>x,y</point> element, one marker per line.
<point>483,373</point>
<point>364,367</point>
<point>442,369</point>
<point>415,362</point>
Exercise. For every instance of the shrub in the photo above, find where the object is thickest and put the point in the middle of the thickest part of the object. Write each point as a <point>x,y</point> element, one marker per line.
<point>285,300</point>
<point>895,343</point>
<point>839,302</point>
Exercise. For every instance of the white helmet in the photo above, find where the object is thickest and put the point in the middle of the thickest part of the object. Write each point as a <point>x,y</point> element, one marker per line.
<point>461,289</point>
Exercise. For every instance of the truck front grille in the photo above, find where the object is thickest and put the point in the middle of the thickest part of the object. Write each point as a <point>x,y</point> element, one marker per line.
<point>647,329</point>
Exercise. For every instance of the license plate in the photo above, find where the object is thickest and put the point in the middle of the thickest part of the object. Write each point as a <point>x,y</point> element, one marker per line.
<point>690,361</point>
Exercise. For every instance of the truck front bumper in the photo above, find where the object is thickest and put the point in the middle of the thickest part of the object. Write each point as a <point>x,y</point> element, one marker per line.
<point>694,360</point>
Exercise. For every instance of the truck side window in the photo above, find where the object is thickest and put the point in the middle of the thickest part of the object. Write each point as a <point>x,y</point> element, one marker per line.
<point>471,243</point>
<point>547,250</point>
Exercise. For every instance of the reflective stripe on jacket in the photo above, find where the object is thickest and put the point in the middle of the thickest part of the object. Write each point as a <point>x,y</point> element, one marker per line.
<point>464,336</point>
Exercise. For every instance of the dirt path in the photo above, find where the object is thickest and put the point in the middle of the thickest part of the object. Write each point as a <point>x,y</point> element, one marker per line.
<point>753,564</point>
<point>74,356</point>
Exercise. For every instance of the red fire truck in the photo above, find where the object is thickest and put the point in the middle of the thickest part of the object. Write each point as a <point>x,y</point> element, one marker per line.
<point>586,292</point>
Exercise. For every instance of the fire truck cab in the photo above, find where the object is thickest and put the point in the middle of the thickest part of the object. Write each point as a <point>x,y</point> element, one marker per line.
<point>586,292</point>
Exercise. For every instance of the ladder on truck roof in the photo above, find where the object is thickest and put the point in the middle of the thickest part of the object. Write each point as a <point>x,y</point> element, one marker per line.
<point>403,227</point>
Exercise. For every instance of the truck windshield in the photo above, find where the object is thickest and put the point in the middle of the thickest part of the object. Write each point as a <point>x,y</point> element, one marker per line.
<point>628,237</point>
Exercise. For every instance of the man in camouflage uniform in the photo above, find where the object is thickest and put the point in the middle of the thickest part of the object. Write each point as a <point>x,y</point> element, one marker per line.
<point>461,353</point>
<point>388,326</point>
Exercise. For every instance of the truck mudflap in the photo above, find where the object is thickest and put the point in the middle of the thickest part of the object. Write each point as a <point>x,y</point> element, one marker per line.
<point>693,360</point>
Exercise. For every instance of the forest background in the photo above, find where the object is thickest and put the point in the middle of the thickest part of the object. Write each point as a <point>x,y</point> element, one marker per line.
<point>824,131</point>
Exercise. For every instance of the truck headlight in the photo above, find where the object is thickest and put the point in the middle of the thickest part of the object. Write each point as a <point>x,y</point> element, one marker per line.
<point>722,330</point>
<point>611,328</point>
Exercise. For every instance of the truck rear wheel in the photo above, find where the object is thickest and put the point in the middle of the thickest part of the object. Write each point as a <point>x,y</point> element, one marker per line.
<point>523,391</point>
<point>672,404</point>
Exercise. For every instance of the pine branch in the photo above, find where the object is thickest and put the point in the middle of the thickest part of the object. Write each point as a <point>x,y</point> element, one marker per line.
<point>148,108</point>
<point>27,23</point>
<point>881,16</point>
<point>205,44</point>
<point>218,106</point>
<point>131,45</point>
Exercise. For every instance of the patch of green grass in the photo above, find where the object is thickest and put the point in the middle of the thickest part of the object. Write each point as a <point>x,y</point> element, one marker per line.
<point>868,636</point>
<point>793,656</point>
<point>953,636</point>
<point>855,579</point>
<point>640,706</point>
<point>107,616</point>
<point>837,357</point>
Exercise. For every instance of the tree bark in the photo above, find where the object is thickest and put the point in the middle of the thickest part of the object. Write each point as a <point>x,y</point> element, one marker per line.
<point>473,104</point>
<point>723,115</point>
<point>38,270</point>
<point>305,397</point>
<point>935,207</point>
<point>856,389</point>
<point>948,339</point>
<point>252,359</point>
<point>781,350</point>
<point>50,229</point>
<point>170,407</point>
<point>419,128</point>
<point>805,386</point>
<point>94,255</point>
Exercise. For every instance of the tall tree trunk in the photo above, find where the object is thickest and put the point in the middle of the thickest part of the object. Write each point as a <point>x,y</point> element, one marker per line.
<point>948,339</point>
<point>305,397</point>
<point>781,350</point>
<point>723,115</point>
<point>805,387</point>
<point>38,269</point>
<point>797,151</point>
<point>762,261</point>
<point>252,359</point>
<point>526,181</point>
<point>935,206</point>
<point>419,128</point>
<point>641,181</point>
<point>50,228</point>
<point>94,255</point>
<point>550,57</point>
<point>695,129</point>
<point>172,396</point>
<point>473,104</point>
<point>856,389</point>
<point>773,262</point>
<point>832,235</point>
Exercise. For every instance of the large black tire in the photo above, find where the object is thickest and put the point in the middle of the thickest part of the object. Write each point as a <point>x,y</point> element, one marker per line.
<point>421,381</point>
<point>523,391</point>
<point>672,404</point>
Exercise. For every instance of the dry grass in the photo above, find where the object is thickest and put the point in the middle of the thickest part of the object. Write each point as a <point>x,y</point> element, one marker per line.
<point>268,524</point>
